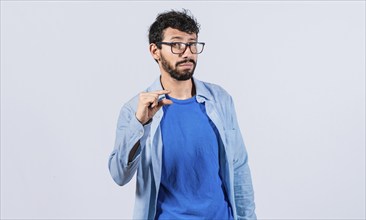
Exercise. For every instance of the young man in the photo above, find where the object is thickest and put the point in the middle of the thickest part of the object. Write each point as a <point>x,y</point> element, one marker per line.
<point>182,137</point>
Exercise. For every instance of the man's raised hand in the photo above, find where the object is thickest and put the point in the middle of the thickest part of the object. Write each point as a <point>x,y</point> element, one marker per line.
<point>149,104</point>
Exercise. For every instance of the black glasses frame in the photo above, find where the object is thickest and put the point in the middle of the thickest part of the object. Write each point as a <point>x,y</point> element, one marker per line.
<point>186,45</point>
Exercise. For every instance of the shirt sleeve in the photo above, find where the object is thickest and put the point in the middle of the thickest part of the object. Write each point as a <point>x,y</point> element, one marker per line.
<point>129,132</point>
<point>243,189</point>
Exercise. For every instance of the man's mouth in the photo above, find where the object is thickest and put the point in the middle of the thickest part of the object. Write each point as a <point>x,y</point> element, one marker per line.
<point>187,63</point>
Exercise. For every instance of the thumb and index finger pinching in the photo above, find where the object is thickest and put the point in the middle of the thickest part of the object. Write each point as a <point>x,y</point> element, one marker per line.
<point>161,92</point>
<point>163,100</point>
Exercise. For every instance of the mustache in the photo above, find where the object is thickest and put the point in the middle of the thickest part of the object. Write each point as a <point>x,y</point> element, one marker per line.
<point>186,61</point>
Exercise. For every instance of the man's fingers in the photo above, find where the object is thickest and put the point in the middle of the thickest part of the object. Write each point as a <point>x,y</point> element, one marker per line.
<point>148,99</point>
<point>151,97</point>
<point>154,103</point>
<point>165,102</point>
<point>149,103</point>
<point>160,92</point>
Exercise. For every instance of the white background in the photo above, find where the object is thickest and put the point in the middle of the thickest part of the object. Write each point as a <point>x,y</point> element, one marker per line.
<point>296,71</point>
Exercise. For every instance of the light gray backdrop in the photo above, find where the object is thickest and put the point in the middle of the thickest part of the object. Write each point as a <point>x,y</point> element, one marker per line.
<point>296,70</point>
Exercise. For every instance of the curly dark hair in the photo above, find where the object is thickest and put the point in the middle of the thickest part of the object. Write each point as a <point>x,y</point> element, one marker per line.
<point>183,21</point>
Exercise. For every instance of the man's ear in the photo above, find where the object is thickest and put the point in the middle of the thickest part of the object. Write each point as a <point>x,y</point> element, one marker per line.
<point>154,51</point>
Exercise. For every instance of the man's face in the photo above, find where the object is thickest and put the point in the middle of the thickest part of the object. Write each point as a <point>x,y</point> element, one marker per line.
<point>179,66</point>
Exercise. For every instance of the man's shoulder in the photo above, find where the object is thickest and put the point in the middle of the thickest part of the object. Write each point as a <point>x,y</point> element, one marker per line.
<point>212,89</point>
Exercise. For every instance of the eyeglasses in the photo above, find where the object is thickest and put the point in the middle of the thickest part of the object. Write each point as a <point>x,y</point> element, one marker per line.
<point>180,47</point>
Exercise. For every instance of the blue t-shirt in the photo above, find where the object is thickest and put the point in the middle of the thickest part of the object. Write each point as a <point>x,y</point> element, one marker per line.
<point>191,186</point>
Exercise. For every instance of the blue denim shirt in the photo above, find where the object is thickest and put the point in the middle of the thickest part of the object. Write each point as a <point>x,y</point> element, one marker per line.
<point>147,162</point>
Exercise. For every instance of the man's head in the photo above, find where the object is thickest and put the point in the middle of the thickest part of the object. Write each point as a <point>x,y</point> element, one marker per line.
<point>173,43</point>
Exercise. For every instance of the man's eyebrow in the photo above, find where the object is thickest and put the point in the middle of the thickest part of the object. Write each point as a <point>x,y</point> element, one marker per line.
<point>176,38</point>
<point>180,38</point>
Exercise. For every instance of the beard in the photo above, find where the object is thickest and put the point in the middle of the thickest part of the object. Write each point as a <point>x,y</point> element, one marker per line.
<point>175,73</point>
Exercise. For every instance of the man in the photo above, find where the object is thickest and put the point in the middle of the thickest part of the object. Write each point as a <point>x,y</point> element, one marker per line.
<point>182,137</point>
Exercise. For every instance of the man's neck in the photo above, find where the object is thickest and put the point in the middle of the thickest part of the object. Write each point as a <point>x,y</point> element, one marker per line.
<point>178,89</point>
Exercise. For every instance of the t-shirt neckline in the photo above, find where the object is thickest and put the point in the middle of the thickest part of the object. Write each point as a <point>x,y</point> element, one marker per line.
<point>182,101</point>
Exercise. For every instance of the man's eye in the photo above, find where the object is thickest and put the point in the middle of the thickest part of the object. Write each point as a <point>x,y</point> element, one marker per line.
<point>176,45</point>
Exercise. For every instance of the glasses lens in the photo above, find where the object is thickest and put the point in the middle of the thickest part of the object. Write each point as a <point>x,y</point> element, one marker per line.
<point>196,48</point>
<point>178,47</point>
